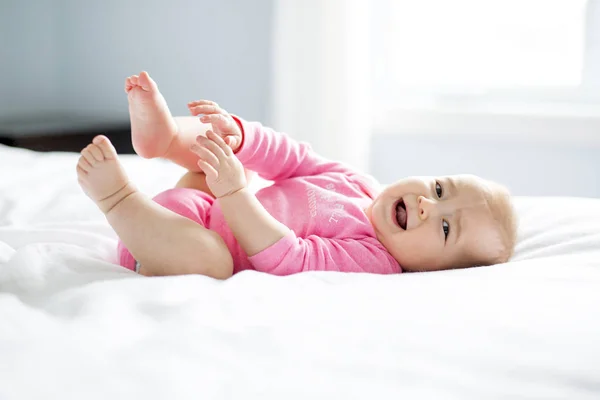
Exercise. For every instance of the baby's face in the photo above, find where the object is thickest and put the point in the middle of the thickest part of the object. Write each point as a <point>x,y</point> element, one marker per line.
<point>435,223</point>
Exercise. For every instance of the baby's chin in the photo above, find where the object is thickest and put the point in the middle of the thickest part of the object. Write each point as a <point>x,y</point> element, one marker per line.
<point>419,264</point>
<point>421,268</point>
<point>410,263</point>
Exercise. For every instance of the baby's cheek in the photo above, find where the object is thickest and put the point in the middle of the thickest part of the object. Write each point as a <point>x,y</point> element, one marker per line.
<point>417,250</point>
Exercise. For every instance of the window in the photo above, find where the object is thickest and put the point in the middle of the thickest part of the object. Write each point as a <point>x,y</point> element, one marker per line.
<point>483,50</point>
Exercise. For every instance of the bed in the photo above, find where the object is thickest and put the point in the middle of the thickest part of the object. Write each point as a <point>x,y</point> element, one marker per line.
<point>73,325</point>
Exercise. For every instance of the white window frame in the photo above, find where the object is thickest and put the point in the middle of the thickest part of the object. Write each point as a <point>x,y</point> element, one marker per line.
<point>553,114</point>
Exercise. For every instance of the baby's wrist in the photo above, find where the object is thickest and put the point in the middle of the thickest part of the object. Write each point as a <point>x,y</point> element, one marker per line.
<point>240,136</point>
<point>237,145</point>
<point>232,194</point>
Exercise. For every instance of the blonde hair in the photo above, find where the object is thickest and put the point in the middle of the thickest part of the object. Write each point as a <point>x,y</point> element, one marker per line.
<point>504,214</point>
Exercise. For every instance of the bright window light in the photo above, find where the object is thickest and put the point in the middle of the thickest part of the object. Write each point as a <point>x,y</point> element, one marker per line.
<point>486,43</point>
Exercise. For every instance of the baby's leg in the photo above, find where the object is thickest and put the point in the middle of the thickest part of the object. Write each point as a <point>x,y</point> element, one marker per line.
<point>163,242</point>
<point>197,180</point>
<point>154,131</point>
<point>194,180</point>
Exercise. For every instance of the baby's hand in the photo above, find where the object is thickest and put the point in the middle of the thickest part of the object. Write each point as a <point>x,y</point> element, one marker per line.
<point>222,122</point>
<point>224,172</point>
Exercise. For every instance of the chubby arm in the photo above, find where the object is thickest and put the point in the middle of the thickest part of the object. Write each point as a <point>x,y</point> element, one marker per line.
<point>273,155</point>
<point>253,227</point>
<point>271,246</point>
<point>276,156</point>
<point>275,249</point>
<point>292,254</point>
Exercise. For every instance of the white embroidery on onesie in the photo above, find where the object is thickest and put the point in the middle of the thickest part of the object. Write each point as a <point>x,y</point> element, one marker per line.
<point>326,196</point>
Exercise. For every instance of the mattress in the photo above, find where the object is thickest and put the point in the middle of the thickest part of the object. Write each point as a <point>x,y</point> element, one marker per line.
<point>73,325</point>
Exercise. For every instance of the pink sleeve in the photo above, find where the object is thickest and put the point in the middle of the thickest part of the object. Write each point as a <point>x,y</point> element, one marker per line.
<point>292,254</point>
<point>276,156</point>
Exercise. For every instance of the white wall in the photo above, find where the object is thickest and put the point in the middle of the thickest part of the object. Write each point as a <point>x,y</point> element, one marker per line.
<point>529,170</point>
<point>74,55</point>
<point>533,156</point>
<point>28,58</point>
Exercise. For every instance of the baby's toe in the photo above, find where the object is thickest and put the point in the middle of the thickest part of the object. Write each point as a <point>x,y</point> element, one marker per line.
<point>88,156</point>
<point>96,152</point>
<point>104,145</point>
<point>83,165</point>
<point>80,171</point>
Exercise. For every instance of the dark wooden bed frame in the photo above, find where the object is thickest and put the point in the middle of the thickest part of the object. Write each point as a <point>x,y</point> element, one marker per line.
<point>64,133</point>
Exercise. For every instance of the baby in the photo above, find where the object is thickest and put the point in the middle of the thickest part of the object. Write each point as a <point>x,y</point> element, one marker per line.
<point>317,215</point>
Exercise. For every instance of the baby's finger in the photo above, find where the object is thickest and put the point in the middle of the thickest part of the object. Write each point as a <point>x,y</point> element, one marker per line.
<point>209,142</point>
<point>210,172</point>
<point>206,155</point>
<point>218,120</point>
<point>220,142</point>
<point>201,102</point>
<point>205,109</point>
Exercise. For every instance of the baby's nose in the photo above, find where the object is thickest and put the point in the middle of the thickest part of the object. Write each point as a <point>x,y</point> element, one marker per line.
<point>426,207</point>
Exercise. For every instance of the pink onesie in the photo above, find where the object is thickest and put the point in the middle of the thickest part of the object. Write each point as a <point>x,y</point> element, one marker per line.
<point>319,200</point>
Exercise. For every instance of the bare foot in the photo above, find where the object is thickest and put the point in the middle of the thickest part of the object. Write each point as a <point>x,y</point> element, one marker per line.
<point>152,125</point>
<point>101,175</point>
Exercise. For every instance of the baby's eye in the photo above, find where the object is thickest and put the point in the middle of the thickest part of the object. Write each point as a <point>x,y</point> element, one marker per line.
<point>446,229</point>
<point>438,190</point>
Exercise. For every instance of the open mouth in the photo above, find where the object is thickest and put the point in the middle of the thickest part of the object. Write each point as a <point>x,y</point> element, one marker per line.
<point>400,214</point>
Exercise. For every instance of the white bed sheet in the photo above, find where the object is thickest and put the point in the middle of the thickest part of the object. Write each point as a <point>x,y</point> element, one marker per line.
<point>74,325</point>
